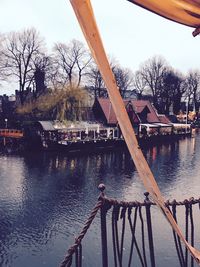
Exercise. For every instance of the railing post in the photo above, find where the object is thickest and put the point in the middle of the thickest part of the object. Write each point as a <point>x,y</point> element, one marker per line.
<point>149,229</point>
<point>102,187</point>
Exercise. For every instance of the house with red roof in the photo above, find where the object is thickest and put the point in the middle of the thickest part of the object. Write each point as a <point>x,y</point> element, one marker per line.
<point>139,111</point>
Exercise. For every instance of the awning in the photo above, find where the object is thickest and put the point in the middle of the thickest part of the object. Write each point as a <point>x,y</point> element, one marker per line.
<point>47,125</point>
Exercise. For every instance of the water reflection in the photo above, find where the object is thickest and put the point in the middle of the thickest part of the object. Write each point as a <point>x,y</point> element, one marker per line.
<point>46,197</point>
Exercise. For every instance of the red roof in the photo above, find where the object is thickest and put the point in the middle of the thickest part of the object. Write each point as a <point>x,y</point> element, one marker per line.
<point>163,119</point>
<point>108,110</point>
<point>138,106</point>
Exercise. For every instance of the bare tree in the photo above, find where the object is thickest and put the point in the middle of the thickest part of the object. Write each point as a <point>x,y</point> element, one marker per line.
<point>43,73</point>
<point>2,69</point>
<point>95,83</point>
<point>171,91</point>
<point>19,52</point>
<point>151,73</point>
<point>139,84</point>
<point>72,62</point>
<point>123,76</point>
<point>124,79</point>
<point>193,87</point>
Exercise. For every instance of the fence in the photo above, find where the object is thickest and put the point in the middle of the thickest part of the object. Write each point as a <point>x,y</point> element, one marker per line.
<point>124,218</point>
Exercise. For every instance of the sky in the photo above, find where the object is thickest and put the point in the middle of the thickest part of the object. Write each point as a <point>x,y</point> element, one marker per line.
<point>130,34</point>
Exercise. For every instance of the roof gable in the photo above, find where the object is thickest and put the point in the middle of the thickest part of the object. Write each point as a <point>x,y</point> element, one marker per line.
<point>107,109</point>
<point>139,106</point>
<point>164,119</point>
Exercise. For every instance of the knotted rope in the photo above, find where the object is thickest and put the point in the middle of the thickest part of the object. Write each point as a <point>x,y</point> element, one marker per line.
<point>73,249</point>
<point>120,209</point>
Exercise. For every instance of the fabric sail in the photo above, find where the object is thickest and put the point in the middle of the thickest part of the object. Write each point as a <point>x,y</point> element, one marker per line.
<point>186,12</point>
<point>85,16</point>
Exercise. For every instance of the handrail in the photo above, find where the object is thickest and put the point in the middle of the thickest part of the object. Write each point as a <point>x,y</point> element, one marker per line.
<point>120,208</point>
<point>15,133</point>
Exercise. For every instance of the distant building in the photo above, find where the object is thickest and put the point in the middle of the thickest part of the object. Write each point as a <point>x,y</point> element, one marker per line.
<point>27,96</point>
<point>142,111</point>
<point>39,77</point>
<point>130,94</point>
<point>7,107</point>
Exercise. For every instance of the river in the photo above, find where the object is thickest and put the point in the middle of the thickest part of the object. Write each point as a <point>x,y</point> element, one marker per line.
<point>46,197</point>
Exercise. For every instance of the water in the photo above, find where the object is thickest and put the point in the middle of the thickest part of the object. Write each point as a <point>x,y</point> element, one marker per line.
<point>45,198</point>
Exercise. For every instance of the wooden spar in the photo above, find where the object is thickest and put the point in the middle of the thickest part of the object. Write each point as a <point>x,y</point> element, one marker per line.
<point>85,16</point>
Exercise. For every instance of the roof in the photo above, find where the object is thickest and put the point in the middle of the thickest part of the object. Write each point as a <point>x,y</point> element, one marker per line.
<point>163,118</point>
<point>47,125</point>
<point>107,110</point>
<point>150,125</point>
<point>138,106</point>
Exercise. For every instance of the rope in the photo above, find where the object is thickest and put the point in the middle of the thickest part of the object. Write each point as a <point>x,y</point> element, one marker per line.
<point>114,239</point>
<point>177,238</point>
<point>186,231</point>
<point>143,239</point>
<point>149,229</point>
<point>176,245</point>
<point>68,258</point>
<point>120,208</point>
<point>116,217</point>
<point>123,214</point>
<point>132,226</point>
<point>134,241</point>
<point>133,204</point>
<point>192,231</point>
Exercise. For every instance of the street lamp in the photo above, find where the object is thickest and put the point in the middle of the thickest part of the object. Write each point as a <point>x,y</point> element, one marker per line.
<point>6,123</point>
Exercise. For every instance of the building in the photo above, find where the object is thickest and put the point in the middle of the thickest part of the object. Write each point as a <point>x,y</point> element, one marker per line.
<point>139,111</point>
<point>7,107</point>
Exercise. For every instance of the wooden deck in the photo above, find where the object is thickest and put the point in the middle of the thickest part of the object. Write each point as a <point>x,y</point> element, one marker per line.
<point>11,133</point>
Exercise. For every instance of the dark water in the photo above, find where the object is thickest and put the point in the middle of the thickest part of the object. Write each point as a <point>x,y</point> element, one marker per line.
<point>45,198</point>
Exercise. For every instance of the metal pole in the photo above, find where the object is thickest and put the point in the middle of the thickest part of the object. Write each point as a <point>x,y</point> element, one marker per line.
<point>187,104</point>
<point>149,229</point>
<point>6,123</point>
<point>103,230</point>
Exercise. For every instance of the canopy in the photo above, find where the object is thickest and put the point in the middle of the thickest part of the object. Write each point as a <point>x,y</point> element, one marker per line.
<point>186,12</point>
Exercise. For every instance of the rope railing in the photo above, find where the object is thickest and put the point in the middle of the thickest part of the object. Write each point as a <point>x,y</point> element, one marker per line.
<point>76,248</point>
<point>132,217</point>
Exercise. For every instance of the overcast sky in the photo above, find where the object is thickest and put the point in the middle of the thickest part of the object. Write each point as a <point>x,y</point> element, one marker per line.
<point>130,33</point>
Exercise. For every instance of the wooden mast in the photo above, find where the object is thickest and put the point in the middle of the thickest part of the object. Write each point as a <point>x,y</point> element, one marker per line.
<point>85,16</point>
